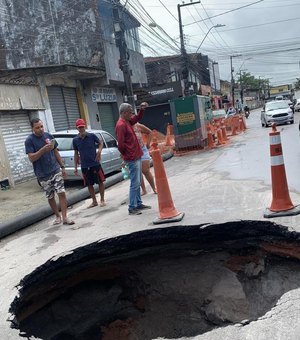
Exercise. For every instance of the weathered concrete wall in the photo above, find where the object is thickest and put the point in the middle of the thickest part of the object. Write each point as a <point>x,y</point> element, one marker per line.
<point>136,63</point>
<point>20,97</point>
<point>35,33</point>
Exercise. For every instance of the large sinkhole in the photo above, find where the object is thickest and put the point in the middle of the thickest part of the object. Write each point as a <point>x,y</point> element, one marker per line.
<point>169,282</point>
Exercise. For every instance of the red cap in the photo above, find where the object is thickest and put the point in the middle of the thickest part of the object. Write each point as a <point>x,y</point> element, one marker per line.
<point>80,123</point>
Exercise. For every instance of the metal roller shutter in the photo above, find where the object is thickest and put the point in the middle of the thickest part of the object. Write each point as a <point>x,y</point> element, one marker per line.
<point>15,127</point>
<point>106,118</point>
<point>72,106</point>
<point>64,106</point>
<point>58,108</point>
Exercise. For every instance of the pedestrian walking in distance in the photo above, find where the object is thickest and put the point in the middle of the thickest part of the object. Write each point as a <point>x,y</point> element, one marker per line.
<point>87,147</point>
<point>131,152</point>
<point>49,169</point>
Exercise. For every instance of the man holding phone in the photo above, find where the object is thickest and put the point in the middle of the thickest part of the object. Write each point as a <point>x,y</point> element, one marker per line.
<point>48,167</point>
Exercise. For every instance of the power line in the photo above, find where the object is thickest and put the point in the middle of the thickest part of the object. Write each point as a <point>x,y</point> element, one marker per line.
<point>168,11</point>
<point>257,25</point>
<point>230,11</point>
<point>213,25</point>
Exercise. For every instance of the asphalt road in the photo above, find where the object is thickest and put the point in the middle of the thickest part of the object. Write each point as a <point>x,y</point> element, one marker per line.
<point>229,183</point>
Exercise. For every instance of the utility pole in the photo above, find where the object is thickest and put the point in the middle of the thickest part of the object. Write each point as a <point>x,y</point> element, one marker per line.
<point>185,70</point>
<point>214,76</point>
<point>242,88</point>
<point>232,81</point>
<point>232,78</point>
<point>124,56</point>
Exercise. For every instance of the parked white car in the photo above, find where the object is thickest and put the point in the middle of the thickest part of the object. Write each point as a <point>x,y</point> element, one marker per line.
<point>110,157</point>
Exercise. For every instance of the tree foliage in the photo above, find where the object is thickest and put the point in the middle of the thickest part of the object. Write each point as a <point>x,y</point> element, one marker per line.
<point>297,84</point>
<point>248,81</point>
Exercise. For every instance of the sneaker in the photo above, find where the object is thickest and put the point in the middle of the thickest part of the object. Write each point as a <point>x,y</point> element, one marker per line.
<point>143,207</point>
<point>134,212</point>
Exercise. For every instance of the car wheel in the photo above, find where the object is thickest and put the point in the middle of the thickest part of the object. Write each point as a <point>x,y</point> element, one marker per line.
<point>292,121</point>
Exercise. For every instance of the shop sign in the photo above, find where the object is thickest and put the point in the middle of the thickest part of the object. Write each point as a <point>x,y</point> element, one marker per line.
<point>103,95</point>
<point>185,118</point>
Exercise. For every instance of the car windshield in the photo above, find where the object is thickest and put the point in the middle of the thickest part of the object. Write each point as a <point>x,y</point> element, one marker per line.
<point>276,106</point>
<point>65,143</point>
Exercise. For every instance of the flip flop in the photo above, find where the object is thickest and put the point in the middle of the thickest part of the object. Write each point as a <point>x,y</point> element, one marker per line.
<point>102,204</point>
<point>68,222</point>
<point>92,205</point>
<point>57,221</point>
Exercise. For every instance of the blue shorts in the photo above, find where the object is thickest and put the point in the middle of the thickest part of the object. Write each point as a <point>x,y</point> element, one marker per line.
<point>146,155</point>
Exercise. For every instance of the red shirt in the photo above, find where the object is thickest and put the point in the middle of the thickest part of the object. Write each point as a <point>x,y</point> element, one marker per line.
<point>128,143</point>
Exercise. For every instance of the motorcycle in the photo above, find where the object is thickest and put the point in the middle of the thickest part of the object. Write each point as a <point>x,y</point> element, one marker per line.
<point>247,113</point>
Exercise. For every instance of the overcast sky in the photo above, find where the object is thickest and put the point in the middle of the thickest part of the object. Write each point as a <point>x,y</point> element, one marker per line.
<point>256,32</point>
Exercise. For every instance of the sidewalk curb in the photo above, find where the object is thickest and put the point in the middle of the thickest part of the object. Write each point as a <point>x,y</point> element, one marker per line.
<point>33,216</point>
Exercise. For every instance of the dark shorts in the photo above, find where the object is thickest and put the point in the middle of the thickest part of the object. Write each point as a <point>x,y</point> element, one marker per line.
<point>93,175</point>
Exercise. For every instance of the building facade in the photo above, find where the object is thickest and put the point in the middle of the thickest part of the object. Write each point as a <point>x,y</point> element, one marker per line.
<point>60,62</point>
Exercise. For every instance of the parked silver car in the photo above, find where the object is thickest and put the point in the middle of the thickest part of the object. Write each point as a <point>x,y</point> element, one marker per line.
<point>278,112</point>
<point>110,156</point>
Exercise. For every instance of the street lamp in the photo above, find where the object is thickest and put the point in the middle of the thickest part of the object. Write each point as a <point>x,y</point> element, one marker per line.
<point>215,26</point>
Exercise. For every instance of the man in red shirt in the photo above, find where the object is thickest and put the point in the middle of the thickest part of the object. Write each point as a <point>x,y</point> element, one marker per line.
<point>131,152</point>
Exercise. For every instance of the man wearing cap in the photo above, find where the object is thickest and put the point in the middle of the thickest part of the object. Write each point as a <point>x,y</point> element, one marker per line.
<point>49,168</point>
<point>131,152</point>
<point>88,147</point>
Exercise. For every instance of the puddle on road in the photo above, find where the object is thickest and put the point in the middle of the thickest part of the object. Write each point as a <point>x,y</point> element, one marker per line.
<point>167,282</point>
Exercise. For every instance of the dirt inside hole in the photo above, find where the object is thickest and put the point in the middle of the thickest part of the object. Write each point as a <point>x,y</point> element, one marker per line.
<point>179,287</point>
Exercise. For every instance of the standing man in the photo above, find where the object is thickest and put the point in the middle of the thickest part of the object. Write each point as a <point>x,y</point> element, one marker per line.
<point>131,152</point>
<point>42,152</point>
<point>85,146</point>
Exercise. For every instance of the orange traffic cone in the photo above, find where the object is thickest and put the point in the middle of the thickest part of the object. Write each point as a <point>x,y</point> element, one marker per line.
<point>244,122</point>
<point>241,125</point>
<point>169,141</point>
<point>281,203</point>
<point>167,210</point>
<point>219,135</point>
<point>233,126</point>
<point>210,140</point>
<point>223,129</point>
